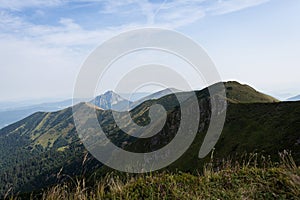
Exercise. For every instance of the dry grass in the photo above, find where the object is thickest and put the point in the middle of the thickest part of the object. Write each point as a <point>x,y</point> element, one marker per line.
<point>255,178</point>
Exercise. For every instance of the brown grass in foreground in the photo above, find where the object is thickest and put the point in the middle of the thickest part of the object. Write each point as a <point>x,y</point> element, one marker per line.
<point>230,181</point>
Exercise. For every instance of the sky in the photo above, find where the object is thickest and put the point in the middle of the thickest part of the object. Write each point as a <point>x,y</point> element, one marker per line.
<point>43,43</point>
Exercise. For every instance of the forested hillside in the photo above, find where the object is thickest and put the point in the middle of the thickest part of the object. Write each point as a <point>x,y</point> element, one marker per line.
<point>35,150</point>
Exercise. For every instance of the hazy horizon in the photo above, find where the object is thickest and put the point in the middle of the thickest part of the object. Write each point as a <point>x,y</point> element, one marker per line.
<point>137,96</point>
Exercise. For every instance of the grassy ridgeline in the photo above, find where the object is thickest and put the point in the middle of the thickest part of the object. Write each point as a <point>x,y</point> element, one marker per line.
<point>254,178</point>
<point>36,148</point>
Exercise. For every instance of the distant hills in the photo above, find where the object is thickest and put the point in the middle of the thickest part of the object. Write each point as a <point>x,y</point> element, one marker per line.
<point>296,98</point>
<point>11,115</point>
<point>34,150</point>
<point>107,101</point>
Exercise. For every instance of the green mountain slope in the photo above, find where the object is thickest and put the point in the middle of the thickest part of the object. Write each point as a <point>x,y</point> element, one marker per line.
<point>262,128</point>
<point>238,93</point>
<point>35,149</point>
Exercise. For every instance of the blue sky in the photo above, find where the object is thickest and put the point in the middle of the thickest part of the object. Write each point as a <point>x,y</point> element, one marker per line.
<point>44,42</point>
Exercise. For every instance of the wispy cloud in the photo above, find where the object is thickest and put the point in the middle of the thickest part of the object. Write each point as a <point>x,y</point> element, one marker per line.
<point>68,32</point>
<point>21,4</point>
<point>169,12</point>
<point>67,40</point>
<point>228,6</point>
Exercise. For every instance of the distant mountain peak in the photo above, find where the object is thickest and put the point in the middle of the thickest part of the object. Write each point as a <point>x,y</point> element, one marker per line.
<point>111,101</point>
<point>110,93</point>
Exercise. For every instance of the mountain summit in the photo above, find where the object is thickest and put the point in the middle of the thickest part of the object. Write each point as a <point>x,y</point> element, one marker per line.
<point>111,101</point>
<point>242,93</point>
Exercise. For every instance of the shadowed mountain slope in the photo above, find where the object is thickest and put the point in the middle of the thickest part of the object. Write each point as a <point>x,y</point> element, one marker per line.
<point>44,144</point>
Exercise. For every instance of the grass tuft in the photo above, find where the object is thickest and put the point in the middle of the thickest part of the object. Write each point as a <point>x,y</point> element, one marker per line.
<point>254,178</point>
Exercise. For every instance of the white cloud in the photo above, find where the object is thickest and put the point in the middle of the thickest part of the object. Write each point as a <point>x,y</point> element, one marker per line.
<point>175,13</point>
<point>43,59</point>
<point>170,14</point>
<point>29,70</point>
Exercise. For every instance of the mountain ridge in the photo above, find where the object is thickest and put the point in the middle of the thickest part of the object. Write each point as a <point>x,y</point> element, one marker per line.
<point>249,94</point>
<point>111,101</point>
<point>43,136</point>
<point>11,115</point>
